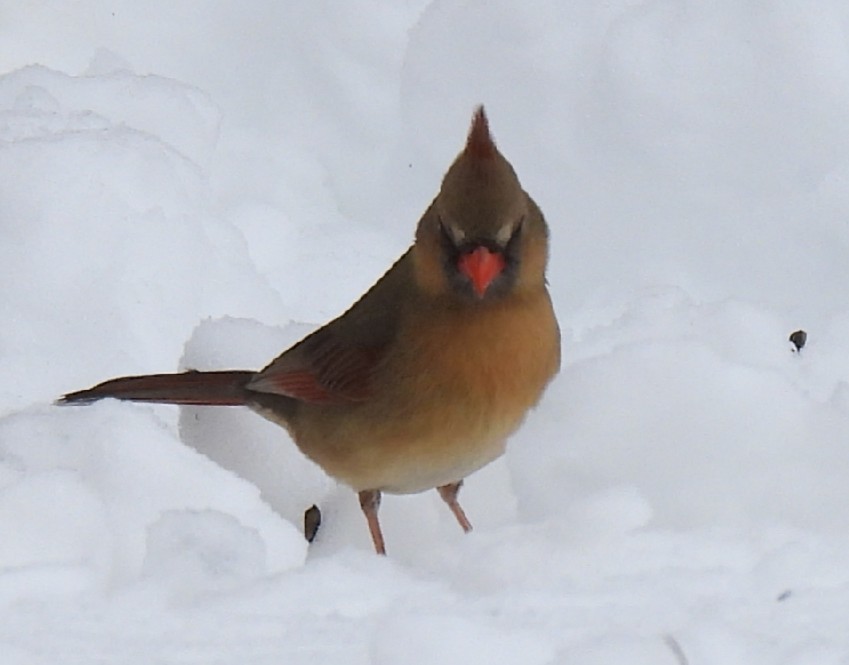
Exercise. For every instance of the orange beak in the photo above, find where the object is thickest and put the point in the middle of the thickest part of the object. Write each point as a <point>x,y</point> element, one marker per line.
<point>481,266</point>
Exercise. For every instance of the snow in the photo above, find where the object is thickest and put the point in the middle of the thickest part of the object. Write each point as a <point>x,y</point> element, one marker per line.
<point>197,185</point>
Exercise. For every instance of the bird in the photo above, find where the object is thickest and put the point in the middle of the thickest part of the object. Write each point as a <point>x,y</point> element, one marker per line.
<point>422,380</point>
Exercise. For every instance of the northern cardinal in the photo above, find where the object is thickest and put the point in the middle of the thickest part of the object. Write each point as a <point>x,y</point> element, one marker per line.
<point>423,379</point>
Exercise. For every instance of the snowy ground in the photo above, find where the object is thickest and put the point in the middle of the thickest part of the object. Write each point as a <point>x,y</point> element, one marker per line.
<point>193,184</point>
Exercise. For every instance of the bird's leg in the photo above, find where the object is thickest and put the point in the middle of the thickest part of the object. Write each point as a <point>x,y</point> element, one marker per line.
<point>449,495</point>
<point>370,502</point>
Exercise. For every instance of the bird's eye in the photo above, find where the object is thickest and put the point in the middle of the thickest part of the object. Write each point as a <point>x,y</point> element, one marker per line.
<point>508,232</point>
<point>450,234</point>
<point>514,232</point>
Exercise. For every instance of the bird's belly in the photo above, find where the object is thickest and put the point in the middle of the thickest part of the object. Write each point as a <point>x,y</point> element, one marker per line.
<point>434,466</point>
<point>426,449</point>
<point>408,466</point>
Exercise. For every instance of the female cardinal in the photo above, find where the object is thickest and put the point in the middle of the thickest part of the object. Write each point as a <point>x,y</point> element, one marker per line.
<point>423,379</point>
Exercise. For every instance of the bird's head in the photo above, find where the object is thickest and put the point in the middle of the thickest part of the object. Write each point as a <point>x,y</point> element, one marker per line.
<point>483,237</point>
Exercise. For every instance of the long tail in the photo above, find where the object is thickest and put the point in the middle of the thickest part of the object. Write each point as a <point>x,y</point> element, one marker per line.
<point>212,388</point>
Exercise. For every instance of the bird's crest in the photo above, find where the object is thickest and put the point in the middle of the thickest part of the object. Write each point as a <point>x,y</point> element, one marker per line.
<point>479,145</point>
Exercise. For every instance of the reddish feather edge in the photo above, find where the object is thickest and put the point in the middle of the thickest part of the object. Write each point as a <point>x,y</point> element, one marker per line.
<point>480,145</point>
<point>299,385</point>
<point>305,386</point>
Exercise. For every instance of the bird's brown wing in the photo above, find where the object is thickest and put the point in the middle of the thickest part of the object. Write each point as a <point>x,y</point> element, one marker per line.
<point>322,369</point>
<point>336,363</point>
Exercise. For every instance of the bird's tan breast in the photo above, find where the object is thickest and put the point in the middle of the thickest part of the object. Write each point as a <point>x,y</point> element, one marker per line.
<point>449,393</point>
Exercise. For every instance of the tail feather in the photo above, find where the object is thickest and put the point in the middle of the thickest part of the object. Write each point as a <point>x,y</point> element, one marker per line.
<point>225,388</point>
